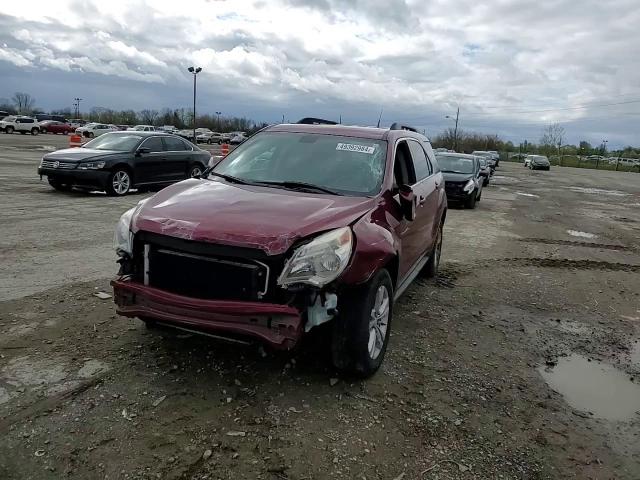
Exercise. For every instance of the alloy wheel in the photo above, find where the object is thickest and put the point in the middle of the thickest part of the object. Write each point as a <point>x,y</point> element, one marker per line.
<point>121,182</point>
<point>378,322</point>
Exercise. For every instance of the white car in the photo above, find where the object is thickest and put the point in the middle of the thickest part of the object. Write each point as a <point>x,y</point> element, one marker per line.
<point>142,128</point>
<point>92,130</point>
<point>210,137</point>
<point>17,123</point>
<point>236,138</point>
<point>168,128</point>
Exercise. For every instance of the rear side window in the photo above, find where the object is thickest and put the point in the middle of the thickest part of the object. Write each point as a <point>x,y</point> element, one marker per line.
<point>154,144</point>
<point>420,164</point>
<point>173,144</point>
<point>431,157</point>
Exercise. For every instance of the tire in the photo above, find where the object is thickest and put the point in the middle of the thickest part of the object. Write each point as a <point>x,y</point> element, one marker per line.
<point>35,131</point>
<point>195,171</point>
<point>485,182</point>
<point>430,270</point>
<point>356,348</point>
<point>91,135</point>
<point>471,201</point>
<point>61,187</point>
<point>119,183</point>
<point>209,141</point>
<point>219,142</point>
<point>9,129</point>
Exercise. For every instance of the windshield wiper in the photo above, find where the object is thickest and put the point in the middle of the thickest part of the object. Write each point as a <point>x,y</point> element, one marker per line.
<point>453,171</point>
<point>300,186</point>
<point>229,178</point>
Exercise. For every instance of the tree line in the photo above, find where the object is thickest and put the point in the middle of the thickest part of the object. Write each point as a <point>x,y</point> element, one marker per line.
<point>552,141</point>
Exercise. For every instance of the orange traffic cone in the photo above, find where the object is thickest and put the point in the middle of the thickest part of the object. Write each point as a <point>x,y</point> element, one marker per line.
<point>75,141</point>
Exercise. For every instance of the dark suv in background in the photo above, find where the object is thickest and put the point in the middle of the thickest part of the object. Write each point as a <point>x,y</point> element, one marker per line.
<point>300,226</point>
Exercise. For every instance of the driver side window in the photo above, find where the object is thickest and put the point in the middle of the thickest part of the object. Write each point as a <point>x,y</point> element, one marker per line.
<point>403,172</point>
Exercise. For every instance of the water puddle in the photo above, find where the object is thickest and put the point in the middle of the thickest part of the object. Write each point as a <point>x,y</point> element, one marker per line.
<point>599,191</point>
<point>577,233</point>
<point>527,194</point>
<point>594,387</point>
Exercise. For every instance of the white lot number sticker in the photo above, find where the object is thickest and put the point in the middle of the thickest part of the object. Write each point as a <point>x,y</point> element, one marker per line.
<point>352,147</point>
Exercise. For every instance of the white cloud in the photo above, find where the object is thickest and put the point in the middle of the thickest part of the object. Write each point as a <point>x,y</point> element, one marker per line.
<point>496,59</point>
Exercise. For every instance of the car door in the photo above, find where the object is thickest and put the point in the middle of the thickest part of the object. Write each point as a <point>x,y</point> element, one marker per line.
<point>177,157</point>
<point>426,190</point>
<point>150,166</point>
<point>411,233</point>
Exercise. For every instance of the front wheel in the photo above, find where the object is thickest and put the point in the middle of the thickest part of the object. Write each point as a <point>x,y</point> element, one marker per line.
<point>360,334</point>
<point>119,183</point>
<point>471,201</point>
<point>195,171</point>
<point>8,130</point>
<point>35,131</point>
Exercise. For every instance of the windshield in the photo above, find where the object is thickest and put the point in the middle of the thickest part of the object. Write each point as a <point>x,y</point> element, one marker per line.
<point>345,165</point>
<point>114,141</point>
<point>452,164</point>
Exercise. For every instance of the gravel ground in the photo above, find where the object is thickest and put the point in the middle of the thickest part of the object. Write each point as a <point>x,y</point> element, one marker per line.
<point>541,281</point>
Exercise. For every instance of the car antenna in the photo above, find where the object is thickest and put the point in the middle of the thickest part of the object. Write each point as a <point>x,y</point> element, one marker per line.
<point>380,117</point>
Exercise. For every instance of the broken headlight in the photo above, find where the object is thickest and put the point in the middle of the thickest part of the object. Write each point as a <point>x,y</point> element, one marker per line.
<point>320,261</point>
<point>123,238</point>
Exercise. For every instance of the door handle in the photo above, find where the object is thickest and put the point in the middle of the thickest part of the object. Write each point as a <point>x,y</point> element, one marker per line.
<point>422,199</point>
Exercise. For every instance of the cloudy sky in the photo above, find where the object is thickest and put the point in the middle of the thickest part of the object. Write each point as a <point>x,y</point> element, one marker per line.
<point>511,65</point>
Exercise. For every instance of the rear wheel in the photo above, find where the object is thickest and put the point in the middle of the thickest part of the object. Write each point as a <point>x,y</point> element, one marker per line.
<point>35,131</point>
<point>58,185</point>
<point>430,270</point>
<point>360,334</point>
<point>471,201</point>
<point>119,182</point>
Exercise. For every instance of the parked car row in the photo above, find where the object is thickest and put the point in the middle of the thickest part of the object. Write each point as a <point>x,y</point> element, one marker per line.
<point>537,162</point>
<point>465,176</point>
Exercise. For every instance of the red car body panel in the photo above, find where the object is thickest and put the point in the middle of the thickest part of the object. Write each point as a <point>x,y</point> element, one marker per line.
<point>278,325</point>
<point>274,220</point>
<point>270,219</point>
<point>58,128</point>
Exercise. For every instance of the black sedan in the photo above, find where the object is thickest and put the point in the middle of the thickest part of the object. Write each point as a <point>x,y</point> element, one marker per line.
<point>119,161</point>
<point>463,177</point>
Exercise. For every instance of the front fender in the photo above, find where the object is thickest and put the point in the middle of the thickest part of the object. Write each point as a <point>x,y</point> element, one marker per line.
<point>376,245</point>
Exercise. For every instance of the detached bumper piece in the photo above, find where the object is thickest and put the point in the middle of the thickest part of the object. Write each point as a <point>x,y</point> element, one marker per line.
<point>278,325</point>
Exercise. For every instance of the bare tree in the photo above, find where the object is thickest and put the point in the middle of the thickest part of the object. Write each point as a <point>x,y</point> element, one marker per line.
<point>552,135</point>
<point>24,102</point>
<point>148,117</point>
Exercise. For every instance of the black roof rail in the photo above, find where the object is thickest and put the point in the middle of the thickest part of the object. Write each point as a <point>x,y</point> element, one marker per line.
<point>397,126</point>
<point>316,121</point>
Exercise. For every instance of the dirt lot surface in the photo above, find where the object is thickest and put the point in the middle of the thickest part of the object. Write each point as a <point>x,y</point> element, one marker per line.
<point>521,361</point>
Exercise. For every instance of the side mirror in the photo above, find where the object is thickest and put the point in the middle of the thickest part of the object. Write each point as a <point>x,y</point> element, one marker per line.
<point>407,202</point>
<point>142,150</point>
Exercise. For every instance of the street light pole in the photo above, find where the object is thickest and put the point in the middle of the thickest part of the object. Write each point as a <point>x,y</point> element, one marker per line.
<point>195,71</point>
<point>455,131</point>
<point>218,115</point>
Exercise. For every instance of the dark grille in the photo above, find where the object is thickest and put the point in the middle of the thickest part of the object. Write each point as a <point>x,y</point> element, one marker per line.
<point>206,271</point>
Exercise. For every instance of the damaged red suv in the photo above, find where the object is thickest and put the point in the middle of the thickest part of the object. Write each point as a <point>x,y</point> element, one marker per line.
<point>299,226</point>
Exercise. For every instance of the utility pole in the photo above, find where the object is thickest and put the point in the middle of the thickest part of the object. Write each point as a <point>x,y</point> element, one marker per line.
<point>77,106</point>
<point>455,131</point>
<point>218,115</point>
<point>283,118</point>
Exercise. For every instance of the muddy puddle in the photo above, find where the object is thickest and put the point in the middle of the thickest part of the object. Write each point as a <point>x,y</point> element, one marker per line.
<point>594,387</point>
<point>600,191</point>
<point>577,233</point>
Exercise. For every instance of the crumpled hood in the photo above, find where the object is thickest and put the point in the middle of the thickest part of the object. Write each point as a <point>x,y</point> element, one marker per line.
<point>456,177</point>
<point>243,215</point>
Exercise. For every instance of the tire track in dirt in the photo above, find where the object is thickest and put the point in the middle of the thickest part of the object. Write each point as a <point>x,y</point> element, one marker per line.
<point>571,243</point>
<point>563,263</point>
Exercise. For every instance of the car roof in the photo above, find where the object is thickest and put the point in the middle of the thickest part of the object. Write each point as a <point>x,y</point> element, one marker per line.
<point>144,134</point>
<point>453,154</point>
<point>372,133</point>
